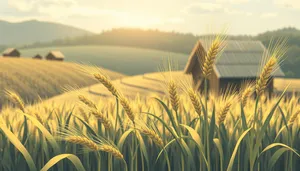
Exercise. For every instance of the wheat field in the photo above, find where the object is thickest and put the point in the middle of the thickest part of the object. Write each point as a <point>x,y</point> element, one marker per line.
<point>35,79</point>
<point>178,130</point>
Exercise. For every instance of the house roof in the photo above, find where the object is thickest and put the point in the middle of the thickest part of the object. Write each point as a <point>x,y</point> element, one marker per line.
<point>57,54</point>
<point>238,60</point>
<point>9,50</point>
<point>38,56</point>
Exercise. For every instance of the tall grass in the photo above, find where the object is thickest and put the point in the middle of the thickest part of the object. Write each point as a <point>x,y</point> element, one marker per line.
<point>185,130</point>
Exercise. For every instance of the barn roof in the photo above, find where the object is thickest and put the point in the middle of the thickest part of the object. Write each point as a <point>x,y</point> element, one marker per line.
<point>9,50</point>
<point>57,54</point>
<point>239,59</point>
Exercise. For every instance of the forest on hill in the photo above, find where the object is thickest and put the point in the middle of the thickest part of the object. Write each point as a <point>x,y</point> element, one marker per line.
<point>180,42</point>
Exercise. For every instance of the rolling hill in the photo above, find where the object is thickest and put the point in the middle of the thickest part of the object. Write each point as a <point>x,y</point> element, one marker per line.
<point>183,43</point>
<point>127,60</point>
<point>35,78</point>
<point>33,31</point>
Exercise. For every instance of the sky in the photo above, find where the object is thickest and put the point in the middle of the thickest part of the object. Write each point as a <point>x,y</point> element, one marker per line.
<point>188,16</point>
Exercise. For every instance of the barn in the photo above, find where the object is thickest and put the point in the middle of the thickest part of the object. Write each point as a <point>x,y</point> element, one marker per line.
<point>240,62</point>
<point>55,56</point>
<point>37,56</point>
<point>11,52</point>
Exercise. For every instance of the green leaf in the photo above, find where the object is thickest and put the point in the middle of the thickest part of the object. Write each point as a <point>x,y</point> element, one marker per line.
<point>18,145</point>
<point>74,159</point>
<point>229,168</point>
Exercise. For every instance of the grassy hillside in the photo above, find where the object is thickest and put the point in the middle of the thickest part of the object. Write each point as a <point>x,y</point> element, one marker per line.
<point>32,78</point>
<point>127,60</point>
<point>32,31</point>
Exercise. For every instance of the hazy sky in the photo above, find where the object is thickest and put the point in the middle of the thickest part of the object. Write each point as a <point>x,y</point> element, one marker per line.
<point>242,16</point>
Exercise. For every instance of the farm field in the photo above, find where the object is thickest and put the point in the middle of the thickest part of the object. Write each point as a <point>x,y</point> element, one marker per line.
<point>150,84</point>
<point>109,134</point>
<point>127,60</point>
<point>35,78</point>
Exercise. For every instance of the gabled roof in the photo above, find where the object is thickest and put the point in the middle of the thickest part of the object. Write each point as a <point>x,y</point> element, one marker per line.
<point>38,56</point>
<point>239,59</point>
<point>9,50</point>
<point>57,54</point>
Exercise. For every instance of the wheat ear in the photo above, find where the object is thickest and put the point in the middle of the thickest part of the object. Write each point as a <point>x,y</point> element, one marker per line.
<point>211,55</point>
<point>127,108</point>
<point>195,101</point>
<point>87,101</point>
<point>83,141</point>
<point>223,112</point>
<point>294,117</point>
<point>245,95</point>
<point>16,100</point>
<point>152,135</point>
<point>112,150</point>
<point>173,94</point>
<point>104,120</point>
<point>263,79</point>
<point>107,83</point>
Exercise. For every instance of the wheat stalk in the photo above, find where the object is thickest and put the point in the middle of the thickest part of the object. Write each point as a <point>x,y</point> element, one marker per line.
<point>107,83</point>
<point>104,120</point>
<point>294,117</point>
<point>152,135</point>
<point>173,95</point>
<point>263,79</point>
<point>209,60</point>
<point>112,150</point>
<point>39,118</point>
<point>195,100</point>
<point>223,112</point>
<point>15,98</point>
<point>83,114</point>
<point>127,108</point>
<point>246,94</point>
<point>87,102</point>
<point>83,141</point>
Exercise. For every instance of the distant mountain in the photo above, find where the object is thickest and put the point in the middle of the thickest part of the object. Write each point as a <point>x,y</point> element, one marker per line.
<point>33,31</point>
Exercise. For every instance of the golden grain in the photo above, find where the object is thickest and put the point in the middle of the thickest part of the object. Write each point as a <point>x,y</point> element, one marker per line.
<point>112,150</point>
<point>83,141</point>
<point>263,79</point>
<point>195,101</point>
<point>87,102</point>
<point>107,83</point>
<point>15,98</point>
<point>104,120</point>
<point>127,108</point>
<point>173,95</point>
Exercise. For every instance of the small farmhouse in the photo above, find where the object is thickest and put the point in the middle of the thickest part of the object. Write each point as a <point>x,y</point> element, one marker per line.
<point>55,56</point>
<point>239,62</point>
<point>37,56</point>
<point>11,52</point>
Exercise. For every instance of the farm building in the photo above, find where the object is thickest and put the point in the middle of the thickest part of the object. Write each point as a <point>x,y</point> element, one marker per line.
<point>240,62</point>
<point>55,56</point>
<point>37,56</point>
<point>11,52</point>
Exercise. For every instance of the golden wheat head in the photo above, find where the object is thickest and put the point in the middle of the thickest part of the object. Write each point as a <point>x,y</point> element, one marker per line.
<point>127,108</point>
<point>216,47</point>
<point>87,101</point>
<point>107,83</point>
<point>83,141</point>
<point>104,120</point>
<point>173,95</point>
<point>15,98</point>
